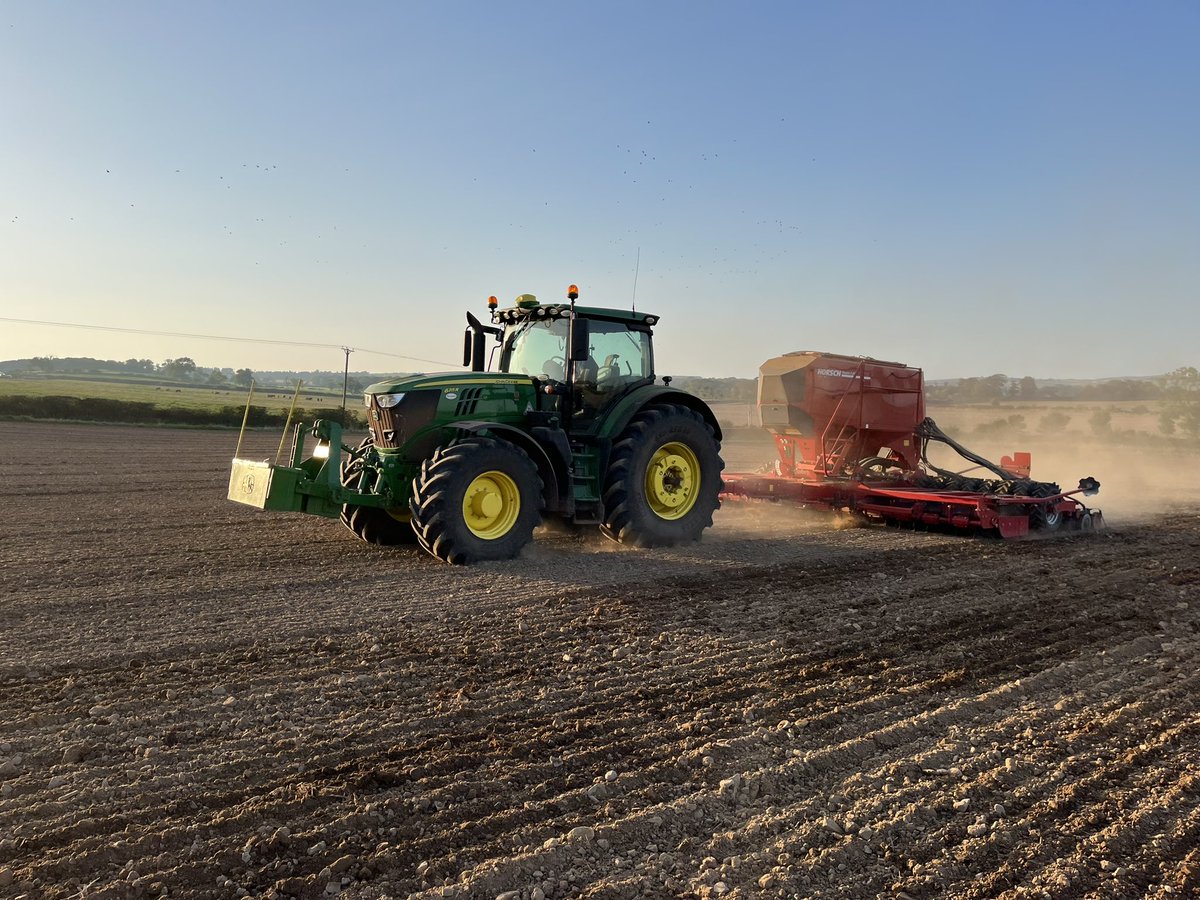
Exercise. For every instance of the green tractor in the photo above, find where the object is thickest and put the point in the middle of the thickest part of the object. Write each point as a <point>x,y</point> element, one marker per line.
<point>573,425</point>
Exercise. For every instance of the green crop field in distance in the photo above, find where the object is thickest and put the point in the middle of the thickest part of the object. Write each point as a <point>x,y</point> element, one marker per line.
<point>200,397</point>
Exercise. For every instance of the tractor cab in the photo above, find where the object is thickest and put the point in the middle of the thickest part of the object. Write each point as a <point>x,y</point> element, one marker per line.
<point>587,357</point>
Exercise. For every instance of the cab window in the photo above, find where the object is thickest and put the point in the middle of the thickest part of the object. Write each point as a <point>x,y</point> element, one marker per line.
<point>617,356</point>
<point>536,347</point>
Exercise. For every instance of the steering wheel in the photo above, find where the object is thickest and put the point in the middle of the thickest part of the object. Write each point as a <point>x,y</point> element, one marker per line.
<point>556,368</point>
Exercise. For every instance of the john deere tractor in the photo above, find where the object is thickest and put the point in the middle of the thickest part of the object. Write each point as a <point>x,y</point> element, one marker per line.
<point>573,424</point>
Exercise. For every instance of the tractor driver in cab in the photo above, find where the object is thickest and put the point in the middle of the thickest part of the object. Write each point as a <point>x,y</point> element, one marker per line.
<point>617,356</point>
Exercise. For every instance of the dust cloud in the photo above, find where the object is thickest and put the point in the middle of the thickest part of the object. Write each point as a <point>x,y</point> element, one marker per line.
<point>1138,481</point>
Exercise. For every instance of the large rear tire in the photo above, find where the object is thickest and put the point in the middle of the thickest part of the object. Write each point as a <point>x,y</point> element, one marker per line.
<point>476,499</point>
<point>663,479</point>
<point>1043,517</point>
<point>388,528</point>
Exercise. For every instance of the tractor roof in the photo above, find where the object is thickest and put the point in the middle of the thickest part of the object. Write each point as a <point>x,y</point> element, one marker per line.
<point>558,310</point>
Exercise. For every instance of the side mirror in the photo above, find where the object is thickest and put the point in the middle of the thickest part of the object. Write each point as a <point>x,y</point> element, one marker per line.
<point>580,340</point>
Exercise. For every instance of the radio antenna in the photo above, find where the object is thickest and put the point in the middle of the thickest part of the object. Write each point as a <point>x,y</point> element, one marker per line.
<point>636,266</point>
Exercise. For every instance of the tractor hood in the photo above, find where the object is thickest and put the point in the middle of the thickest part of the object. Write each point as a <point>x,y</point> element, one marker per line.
<point>444,381</point>
<point>418,408</point>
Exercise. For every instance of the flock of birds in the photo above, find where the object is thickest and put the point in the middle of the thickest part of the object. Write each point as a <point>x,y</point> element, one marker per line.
<point>659,235</point>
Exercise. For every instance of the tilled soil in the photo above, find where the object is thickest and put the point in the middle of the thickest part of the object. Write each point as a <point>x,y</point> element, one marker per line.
<point>201,700</point>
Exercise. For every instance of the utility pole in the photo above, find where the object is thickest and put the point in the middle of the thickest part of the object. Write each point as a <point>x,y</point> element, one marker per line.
<point>345,381</point>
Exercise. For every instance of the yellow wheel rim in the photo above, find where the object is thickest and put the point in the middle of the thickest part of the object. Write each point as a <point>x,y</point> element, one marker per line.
<point>672,481</point>
<point>491,505</point>
<point>399,513</point>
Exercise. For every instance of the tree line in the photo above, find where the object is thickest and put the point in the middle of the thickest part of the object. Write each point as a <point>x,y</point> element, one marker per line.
<point>183,368</point>
<point>1182,383</point>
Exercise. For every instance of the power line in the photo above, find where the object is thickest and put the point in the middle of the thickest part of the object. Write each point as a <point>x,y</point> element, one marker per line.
<point>222,337</point>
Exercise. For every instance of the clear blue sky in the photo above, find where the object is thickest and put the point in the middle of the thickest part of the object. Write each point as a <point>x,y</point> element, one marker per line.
<point>969,187</point>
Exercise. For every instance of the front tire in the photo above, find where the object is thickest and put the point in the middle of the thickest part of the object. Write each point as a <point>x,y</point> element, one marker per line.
<point>663,479</point>
<point>387,528</point>
<point>474,500</point>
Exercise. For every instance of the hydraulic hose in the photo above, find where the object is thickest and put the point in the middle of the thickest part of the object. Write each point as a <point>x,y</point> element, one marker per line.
<point>928,431</point>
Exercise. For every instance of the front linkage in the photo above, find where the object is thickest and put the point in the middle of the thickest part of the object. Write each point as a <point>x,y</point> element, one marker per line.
<point>311,484</point>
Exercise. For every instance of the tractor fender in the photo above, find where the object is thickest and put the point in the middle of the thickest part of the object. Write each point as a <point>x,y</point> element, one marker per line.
<point>546,468</point>
<point>635,401</point>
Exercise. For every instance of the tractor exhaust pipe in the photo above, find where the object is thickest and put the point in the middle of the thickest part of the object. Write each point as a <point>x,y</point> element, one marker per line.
<point>475,343</point>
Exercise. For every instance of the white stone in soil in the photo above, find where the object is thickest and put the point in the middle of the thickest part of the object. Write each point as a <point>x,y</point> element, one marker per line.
<point>729,786</point>
<point>830,824</point>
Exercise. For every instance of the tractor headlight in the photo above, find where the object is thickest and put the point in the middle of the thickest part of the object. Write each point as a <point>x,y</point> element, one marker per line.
<point>387,401</point>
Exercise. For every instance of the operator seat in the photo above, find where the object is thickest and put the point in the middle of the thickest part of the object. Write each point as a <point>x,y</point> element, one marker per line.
<point>585,371</point>
<point>608,378</point>
<point>586,374</point>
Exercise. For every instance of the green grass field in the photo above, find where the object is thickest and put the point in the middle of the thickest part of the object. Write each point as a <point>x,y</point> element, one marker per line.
<point>141,401</point>
<point>195,397</point>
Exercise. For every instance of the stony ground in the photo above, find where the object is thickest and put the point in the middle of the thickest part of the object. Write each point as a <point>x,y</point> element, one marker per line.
<point>200,700</point>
